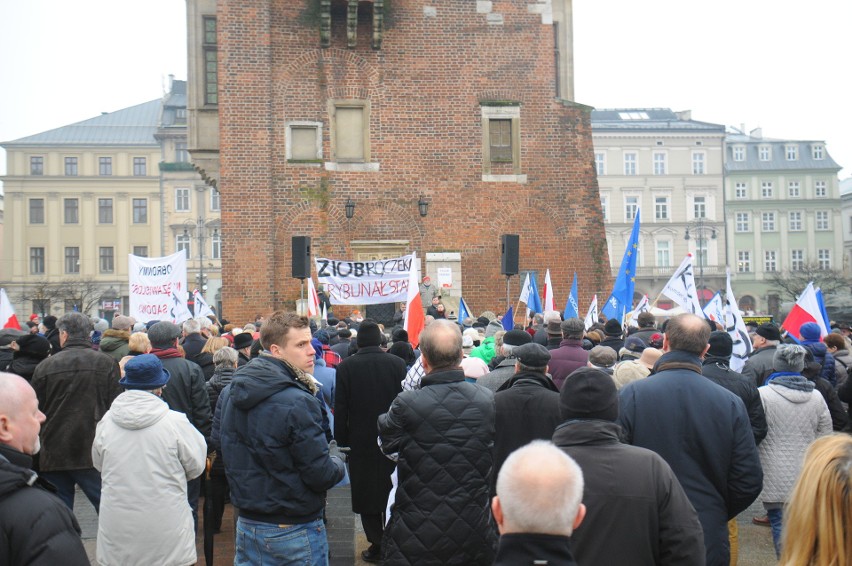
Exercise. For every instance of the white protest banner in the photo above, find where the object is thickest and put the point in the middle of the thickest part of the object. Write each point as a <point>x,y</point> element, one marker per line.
<point>681,288</point>
<point>369,282</point>
<point>158,288</point>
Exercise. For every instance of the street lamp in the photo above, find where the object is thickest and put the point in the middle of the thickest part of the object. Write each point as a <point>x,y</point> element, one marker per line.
<point>349,208</point>
<point>700,229</point>
<point>423,206</point>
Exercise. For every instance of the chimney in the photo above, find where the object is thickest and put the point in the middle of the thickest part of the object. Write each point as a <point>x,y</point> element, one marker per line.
<point>756,133</point>
<point>171,81</point>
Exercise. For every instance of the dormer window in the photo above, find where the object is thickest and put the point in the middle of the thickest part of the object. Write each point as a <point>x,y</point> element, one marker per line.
<point>818,152</point>
<point>791,152</point>
<point>764,152</point>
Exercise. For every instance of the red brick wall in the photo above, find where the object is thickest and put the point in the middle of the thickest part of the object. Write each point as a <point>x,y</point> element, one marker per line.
<point>424,86</point>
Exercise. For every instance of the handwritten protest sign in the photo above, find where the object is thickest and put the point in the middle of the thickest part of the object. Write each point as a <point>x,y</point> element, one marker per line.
<point>370,282</point>
<point>158,288</point>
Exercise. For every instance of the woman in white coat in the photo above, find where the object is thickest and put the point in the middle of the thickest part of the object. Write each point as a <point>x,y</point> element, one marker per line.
<point>146,453</point>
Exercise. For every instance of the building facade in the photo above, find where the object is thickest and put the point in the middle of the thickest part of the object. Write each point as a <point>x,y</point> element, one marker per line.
<point>82,197</point>
<point>846,212</point>
<point>667,168</point>
<point>464,106</point>
<point>783,213</point>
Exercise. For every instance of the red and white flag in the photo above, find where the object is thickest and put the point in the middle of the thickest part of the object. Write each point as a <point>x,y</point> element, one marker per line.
<point>313,300</point>
<point>548,293</point>
<point>7,312</point>
<point>592,314</point>
<point>415,320</point>
<point>806,309</point>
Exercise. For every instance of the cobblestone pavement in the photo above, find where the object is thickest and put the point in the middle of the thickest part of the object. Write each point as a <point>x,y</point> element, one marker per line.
<point>346,537</point>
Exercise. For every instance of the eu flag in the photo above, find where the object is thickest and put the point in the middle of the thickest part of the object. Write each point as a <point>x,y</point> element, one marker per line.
<point>621,299</point>
<point>572,310</point>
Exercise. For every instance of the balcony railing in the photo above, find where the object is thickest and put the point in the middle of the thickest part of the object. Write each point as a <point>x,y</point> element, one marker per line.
<point>661,272</point>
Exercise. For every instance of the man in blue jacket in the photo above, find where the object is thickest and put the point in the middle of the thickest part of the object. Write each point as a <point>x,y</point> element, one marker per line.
<point>701,429</point>
<point>275,451</point>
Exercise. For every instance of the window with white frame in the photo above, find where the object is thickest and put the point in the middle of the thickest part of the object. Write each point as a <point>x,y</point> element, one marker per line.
<point>216,243</point>
<point>659,163</point>
<point>740,190</point>
<point>770,260</point>
<point>797,260</point>
<point>600,163</point>
<point>743,261</point>
<point>664,253</point>
<point>106,259</point>
<point>791,152</point>
<point>794,189</point>
<point>739,153</point>
<point>764,153</point>
<point>182,200</point>
<point>698,158</point>
<point>743,222</point>
<point>182,242</point>
<point>824,258</point>
<point>215,205</point>
<point>699,207</point>
<point>768,221</point>
<point>822,220</point>
<point>631,206</point>
<point>820,189</point>
<point>794,221</point>
<point>630,163</point>
<point>661,208</point>
<point>701,251</point>
<point>605,207</point>
<point>766,189</point>
<point>818,152</point>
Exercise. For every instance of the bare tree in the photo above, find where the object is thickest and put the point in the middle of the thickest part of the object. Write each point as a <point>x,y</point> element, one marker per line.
<point>85,293</point>
<point>40,294</point>
<point>790,284</point>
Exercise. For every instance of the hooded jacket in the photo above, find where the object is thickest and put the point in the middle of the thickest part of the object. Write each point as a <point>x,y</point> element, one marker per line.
<point>273,445</point>
<point>114,343</point>
<point>797,415</point>
<point>146,453</point>
<point>36,528</point>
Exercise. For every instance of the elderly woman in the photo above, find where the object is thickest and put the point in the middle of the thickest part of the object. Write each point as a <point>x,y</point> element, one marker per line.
<point>146,453</point>
<point>225,364</point>
<point>796,415</point>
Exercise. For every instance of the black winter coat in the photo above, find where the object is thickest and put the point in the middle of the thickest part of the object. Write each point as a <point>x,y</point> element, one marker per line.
<point>844,393</point>
<point>527,408</point>
<point>274,447</point>
<point>221,379</point>
<point>444,435</point>
<point>192,345</point>
<point>53,337</point>
<point>24,365</point>
<point>186,392</point>
<point>718,371</point>
<point>75,389</point>
<point>636,511</point>
<point>520,549</point>
<point>36,528</point>
<point>367,383</point>
<point>703,432</point>
<point>205,362</point>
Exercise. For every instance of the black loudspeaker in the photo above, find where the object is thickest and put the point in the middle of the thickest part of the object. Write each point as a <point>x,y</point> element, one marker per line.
<point>301,257</point>
<point>509,246</point>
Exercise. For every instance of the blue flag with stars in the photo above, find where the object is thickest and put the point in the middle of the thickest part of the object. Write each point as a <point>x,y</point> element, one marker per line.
<point>464,312</point>
<point>621,299</point>
<point>572,309</point>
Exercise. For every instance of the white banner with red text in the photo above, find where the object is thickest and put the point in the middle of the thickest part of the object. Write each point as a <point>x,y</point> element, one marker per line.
<point>368,282</point>
<point>158,288</point>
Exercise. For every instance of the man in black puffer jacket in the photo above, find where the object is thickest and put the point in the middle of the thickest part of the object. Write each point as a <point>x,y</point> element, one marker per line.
<point>443,434</point>
<point>35,526</point>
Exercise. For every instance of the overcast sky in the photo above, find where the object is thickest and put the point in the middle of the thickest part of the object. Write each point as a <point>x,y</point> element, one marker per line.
<point>776,64</point>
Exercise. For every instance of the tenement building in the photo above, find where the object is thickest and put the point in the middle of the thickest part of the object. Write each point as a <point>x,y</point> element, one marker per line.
<point>383,127</point>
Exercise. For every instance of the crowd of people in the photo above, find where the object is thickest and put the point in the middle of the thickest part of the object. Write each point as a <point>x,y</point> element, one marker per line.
<point>549,443</point>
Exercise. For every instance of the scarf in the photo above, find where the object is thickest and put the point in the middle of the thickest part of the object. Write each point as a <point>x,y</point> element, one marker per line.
<point>302,377</point>
<point>791,380</point>
<point>166,353</point>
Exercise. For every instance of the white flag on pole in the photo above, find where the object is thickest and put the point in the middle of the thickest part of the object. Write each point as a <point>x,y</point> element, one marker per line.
<point>548,292</point>
<point>715,309</point>
<point>643,306</point>
<point>202,309</point>
<point>525,293</point>
<point>313,300</point>
<point>592,314</point>
<point>735,325</point>
<point>681,288</point>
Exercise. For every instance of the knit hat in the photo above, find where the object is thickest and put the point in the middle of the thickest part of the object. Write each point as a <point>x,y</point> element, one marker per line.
<point>629,371</point>
<point>369,334</point>
<point>721,345</point>
<point>34,346</point>
<point>144,372</point>
<point>322,336</point>
<point>656,341</point>
<point>100,325</point>
<point>122,322</point>
<point>467,342</point>
<point>517,338</point>
<point>588,393</point>
<point>493,327</point>
<point>649,357</point>
<point>344,333</point>
<point>49,322</point>
<point>810,331</point>
<point>243,340</point>
<point>151,323</point>
<point>532,355</point>
<point>602,356</point>
<point>768,331</point>
<point>789,358</point>
<point>613,327</point>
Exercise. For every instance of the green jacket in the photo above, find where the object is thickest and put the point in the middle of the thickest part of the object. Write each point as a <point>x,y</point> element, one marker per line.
<point>484,351</point>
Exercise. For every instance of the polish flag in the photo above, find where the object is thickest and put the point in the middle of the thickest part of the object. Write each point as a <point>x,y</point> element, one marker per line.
<point>415,321</point>
<point>548,293</point>
<point>313,300</point>
<point>7,312</point>
<point>806,309</point>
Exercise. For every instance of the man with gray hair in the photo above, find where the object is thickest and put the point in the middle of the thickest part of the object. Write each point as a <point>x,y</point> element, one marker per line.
<point>538,506</point>
<point>193,341</point>
<point>443,435</point>
<point>75,389</point>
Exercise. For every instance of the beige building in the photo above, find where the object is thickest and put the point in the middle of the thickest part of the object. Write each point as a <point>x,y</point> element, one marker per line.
<point>670,168</point>
<point>80,198</point>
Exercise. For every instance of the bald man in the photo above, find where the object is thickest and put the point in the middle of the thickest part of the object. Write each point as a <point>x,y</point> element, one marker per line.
<point>537,506</point>
<point>701,430</point>
<point>35,526</point>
